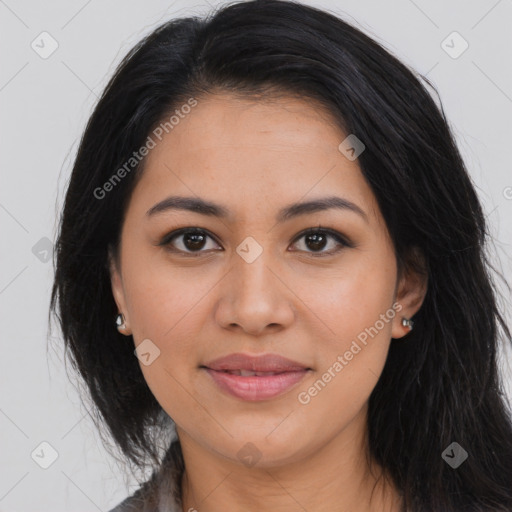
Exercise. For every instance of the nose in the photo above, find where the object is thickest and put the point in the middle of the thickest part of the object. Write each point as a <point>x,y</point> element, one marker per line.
<point>255,298</point>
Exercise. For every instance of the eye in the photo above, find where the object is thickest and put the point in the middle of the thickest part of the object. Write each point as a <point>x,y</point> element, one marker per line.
<point>317,239</point>
<point>190,240</point>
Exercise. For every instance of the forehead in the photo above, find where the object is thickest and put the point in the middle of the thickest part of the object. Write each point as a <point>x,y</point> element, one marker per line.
<point>284,123</point>
<point>252,153</point>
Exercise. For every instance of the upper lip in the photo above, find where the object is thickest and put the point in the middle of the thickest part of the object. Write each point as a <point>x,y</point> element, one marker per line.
<point>259,363</point>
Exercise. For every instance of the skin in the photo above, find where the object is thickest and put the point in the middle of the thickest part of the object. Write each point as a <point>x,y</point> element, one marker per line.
<point>255,157</point>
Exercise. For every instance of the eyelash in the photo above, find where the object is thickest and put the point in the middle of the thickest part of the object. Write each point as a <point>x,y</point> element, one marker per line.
<point>342,241</point>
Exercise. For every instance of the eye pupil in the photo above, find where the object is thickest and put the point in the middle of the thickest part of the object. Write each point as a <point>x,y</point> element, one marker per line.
<point>193,240</point>
<point>315,239</point>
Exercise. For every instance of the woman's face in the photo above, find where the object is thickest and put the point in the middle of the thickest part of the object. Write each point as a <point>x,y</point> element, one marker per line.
<point>252,283</point>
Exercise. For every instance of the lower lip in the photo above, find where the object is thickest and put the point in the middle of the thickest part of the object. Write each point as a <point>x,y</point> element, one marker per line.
<point>256,388</point>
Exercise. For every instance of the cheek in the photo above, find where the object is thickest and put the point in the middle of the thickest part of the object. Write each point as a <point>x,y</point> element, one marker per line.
<point>352,300</point>
<point>164,299</point>
<point>168,305</point>
<point>357,309</point>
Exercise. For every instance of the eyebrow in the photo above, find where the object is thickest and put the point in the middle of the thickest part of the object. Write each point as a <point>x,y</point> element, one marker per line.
<point>205,207</point>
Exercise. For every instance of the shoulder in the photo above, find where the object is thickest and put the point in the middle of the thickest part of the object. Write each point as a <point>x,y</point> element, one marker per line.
<point>137,503</point>
<point>157,495</point>
<point>133,503</point>
<point>162,493</point>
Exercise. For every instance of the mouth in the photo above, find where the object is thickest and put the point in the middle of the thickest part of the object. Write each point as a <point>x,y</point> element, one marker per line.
<point>249,373</point>
<point>254,386</point>
<point>255,377</point>
<point>261,363</point>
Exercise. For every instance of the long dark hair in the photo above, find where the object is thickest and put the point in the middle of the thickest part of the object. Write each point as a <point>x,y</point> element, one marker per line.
<point>440,385</point>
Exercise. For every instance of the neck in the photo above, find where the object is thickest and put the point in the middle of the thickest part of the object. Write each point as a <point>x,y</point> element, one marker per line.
<point>338,475</point>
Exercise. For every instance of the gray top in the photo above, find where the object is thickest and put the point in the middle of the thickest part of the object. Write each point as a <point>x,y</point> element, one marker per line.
<point>162,492</point>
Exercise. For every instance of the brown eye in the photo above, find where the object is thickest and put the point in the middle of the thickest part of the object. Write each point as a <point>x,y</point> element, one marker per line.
<point>193,241</point>
<point>316,240</point>
<point>189,240</point>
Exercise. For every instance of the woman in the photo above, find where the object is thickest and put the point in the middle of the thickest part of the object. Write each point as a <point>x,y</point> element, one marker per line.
<point>271,275</point>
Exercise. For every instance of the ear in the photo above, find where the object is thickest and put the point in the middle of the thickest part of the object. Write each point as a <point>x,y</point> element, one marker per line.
<point>116,283</point>
<point>411,290</point>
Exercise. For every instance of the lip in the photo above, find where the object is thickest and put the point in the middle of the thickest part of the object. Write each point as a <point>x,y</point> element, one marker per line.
<point>255,363</point>
<point>286,374</point>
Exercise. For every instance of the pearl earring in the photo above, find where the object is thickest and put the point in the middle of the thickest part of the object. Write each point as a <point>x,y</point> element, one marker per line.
<point>120,322</point>
<point>407,322</point>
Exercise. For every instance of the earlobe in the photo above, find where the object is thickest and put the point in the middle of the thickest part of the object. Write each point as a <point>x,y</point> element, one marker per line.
<point>121,325</point>
<point>121,320</point>
<point>411,292</point>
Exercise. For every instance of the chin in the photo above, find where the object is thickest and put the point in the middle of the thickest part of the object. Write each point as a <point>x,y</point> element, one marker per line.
<point>259,450</point>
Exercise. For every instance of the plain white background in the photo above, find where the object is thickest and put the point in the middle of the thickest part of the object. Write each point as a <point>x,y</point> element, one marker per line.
<point>45,103</point>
